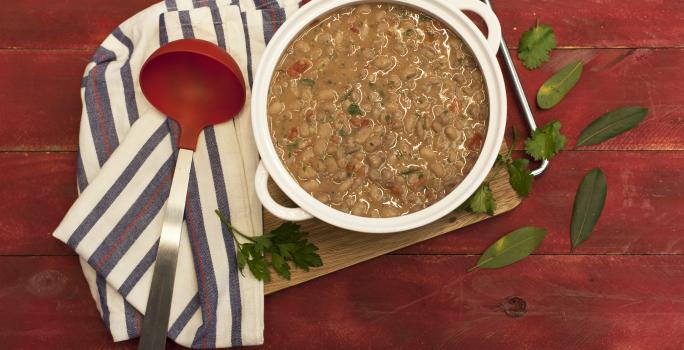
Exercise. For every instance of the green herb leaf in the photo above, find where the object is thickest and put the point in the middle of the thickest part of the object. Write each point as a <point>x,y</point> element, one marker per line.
<point>589,201</point>
<point>482,201</point>
<point>284,245</point>
<point>520,176</point>
<point>535,45</point>
<point>545,142</point>
<point>280,265</point>
<point>409,171</point>
<point>511,248</point>
<point>611,124</point>
<point>308,82</point>
<point>554,89</point>
<point>354,109</point>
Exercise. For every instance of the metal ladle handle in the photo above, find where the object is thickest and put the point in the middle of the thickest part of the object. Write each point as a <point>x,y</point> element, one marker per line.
<point>519,94</point>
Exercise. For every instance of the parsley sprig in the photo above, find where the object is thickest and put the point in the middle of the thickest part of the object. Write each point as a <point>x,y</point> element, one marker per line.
<point>544,143</point>
<point>284,245</point>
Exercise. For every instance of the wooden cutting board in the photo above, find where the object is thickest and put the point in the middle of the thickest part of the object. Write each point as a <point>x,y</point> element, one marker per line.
<point>340,248</point>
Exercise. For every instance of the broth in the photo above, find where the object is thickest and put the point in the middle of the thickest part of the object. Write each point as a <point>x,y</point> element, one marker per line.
<point>378,110</point>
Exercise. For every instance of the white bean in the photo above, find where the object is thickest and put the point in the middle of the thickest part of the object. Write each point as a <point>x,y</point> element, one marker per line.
<point>452,133</point>
<point>326,95</point>
<point>276,108</point>
<point>359,208</point>
<point>320,146</point>
<point>324,130</point>
<point>330,165</point>
<point>363,134</point>
<point>382,62</point>
<point>364,9</point>
<point>437,168</point>
<point>344,186</point>
<point>310,185</point>
<point>427,152</point>
<point>373,143</point>
<point>410,122</point>
<point>302,46</point>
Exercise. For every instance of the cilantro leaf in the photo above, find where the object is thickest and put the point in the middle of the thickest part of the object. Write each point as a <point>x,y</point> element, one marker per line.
<point>545,142</point>
<point>354,109</point>
<point>308,82</point>
<point>535,45</point>
<point>520,176</point>
<point>284,245</point>
<point>482,201</point>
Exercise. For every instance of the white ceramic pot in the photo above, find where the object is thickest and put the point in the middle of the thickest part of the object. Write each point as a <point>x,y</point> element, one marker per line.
<point>484,49</point>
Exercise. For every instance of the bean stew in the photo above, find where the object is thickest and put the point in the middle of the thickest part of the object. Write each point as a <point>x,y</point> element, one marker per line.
<point>378,110</point>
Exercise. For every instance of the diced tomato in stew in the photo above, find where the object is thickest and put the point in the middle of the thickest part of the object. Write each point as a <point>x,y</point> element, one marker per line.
<point>300,66</point>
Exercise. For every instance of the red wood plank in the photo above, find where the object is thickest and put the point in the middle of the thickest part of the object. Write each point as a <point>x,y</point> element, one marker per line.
<point>404,302</point>
<point>642,215</point>
<point>42,109</point>
<point>46,304</point>
<point>40,100</point>
<point>612,79</point>
<point>36,191</point>
<point>74,24</point>
<point>586,23</point>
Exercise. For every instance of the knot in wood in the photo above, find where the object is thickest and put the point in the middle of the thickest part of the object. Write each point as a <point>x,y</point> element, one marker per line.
<point>514,307</point>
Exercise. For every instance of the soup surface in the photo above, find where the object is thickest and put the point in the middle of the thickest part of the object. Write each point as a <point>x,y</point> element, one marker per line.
<point>378,110</point>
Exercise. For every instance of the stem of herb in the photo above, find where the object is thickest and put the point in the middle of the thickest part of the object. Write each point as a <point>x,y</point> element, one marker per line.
<point>232,228</point>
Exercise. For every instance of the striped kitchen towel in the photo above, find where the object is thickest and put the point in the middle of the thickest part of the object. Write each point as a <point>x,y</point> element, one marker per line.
<point>125,165</point>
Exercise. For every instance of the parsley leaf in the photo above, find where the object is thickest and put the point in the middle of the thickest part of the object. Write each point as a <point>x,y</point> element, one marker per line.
<point>482,201</point>
<point>535,45</point>
<point>354,109</point>
<point>545,142</point>
<point>308,82</point>
<point>284,245</point>
<point>520,176</point>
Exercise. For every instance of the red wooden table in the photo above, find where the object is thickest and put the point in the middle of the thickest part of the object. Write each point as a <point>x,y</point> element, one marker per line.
<point>622,289</point>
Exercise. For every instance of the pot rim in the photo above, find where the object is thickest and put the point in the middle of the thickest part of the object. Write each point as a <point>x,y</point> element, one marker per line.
<point>448,13</point>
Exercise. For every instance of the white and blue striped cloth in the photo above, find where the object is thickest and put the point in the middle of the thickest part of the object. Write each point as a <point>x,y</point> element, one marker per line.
<point>125,163</point>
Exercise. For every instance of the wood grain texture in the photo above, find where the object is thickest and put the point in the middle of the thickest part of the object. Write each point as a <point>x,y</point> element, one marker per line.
<point>48,104</point>
<point>400,302</point>
<point>40,110</point>
<point>613,79</point>
<point>417,297</point>
<point>642,213</point>
<point>36,189</point>
<point>83,24</point>
<point>340,248</point>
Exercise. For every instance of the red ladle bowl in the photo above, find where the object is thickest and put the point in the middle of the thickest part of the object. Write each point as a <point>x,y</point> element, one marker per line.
<point>197,84</point>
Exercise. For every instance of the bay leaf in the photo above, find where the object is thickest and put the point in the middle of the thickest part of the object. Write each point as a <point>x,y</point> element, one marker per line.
<point>611,124</point>
<point>511,248</point>
<point>554,89</point>
<point>589,201</point>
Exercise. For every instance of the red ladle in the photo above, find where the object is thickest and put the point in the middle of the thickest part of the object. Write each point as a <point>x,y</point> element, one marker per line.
<point>197,84</point>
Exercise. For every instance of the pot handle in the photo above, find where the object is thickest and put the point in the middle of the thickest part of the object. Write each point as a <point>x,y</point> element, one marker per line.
<point>285,213</point>
<point>490,19</point>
